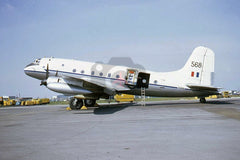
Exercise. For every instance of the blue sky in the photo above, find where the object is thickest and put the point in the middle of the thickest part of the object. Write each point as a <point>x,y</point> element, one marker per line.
<point>160,35</point>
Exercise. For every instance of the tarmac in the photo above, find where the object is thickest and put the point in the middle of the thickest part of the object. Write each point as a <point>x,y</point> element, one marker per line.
<point>169,130</point>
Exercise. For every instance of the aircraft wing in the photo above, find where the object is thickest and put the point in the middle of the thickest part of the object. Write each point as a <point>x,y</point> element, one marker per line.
<point>202,87</point>
<point>107,85</point>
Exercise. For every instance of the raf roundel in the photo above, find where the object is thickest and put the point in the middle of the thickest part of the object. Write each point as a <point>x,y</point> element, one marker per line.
<point>99,67</point>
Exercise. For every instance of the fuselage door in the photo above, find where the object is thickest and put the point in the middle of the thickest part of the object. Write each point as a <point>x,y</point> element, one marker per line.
<point>143,80</point>
<point>132,77</point>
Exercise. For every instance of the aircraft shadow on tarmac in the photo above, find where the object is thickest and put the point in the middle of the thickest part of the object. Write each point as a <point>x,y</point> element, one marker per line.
<point>113,108</point>
<point>188,103</point>
<point>110,109</point>
<point>105,109</point>
<point>220,102</point>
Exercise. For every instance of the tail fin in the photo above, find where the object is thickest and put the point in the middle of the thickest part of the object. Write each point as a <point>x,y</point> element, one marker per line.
<point>199,68</point>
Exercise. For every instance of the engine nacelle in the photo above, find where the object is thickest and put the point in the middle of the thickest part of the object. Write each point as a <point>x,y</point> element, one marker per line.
<point>59,85</point>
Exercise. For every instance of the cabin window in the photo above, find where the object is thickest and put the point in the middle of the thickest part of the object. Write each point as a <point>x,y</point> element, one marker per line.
<point>62,65</point>
<point>101,74</point>
<point>117,76</point>
<point>92,73</point>
<point>37,61</point>
<point>109,75</point>
<point>74,70</point>
<point>155,81</point>
<point>82,71</point>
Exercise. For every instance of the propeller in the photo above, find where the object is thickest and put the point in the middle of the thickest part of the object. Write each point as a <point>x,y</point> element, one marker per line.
<point>44,82</point>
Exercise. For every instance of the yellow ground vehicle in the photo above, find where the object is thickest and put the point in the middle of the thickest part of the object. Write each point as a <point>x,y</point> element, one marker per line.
<point>7,101</point>
<point>36,101</point>
<point>225,94</point>
<point>22,103</point>
<point>29,101</point>
<point>213,96</point>
<point>26,101</point>
<point>44,101</point>
<point>124,98</point>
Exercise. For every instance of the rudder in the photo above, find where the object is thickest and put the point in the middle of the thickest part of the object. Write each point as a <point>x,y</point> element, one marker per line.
<point>199,68</point>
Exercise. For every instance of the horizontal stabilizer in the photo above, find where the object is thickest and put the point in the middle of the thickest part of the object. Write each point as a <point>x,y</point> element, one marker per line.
<point>202,87</point>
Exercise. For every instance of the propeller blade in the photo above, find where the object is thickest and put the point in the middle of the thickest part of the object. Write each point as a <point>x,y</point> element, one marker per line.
<point>47,71</point>
<point>56,73</point>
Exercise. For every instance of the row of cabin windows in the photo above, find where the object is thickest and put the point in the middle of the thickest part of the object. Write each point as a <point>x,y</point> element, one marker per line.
<point>92,73</point>
<point>74,70</point>
<point>100,74</point>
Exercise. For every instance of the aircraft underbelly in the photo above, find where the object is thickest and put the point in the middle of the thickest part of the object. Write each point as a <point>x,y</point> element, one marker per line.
<point>157,91</point>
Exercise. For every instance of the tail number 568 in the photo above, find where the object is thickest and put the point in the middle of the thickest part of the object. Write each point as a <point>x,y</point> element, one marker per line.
<point>196,64</point>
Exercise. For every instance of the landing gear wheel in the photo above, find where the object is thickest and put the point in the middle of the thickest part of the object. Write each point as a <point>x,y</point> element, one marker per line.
<point>72,103</point>
<point>202,100</point>
<point>75,104</point>
<point>79,104</point>
<point>90,102</point>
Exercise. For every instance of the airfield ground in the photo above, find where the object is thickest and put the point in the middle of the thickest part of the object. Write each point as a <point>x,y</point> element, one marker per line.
<point>167,130</point>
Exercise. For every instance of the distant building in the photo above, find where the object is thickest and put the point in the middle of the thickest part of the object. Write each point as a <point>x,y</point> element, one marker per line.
<point>234,92</point>
<point>60,98</point>
<point>10,97</point>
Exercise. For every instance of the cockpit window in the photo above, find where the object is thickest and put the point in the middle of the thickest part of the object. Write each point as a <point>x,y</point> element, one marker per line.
<point>37,61</point>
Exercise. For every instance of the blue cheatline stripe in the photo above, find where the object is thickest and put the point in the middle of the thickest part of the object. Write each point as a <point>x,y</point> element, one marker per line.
<point>103,78</point>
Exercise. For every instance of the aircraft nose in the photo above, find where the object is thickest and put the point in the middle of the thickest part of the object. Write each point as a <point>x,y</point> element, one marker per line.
<point>29,69</point>
<point>35,71</point>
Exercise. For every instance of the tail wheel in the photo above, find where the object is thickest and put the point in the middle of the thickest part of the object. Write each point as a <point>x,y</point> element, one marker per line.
<point>90,102</point>
<point>75,104</point>
<point>202,100</point>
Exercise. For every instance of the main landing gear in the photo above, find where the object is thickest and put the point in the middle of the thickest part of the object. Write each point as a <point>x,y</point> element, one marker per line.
<point>76,104</point>
<point>202,100</point>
